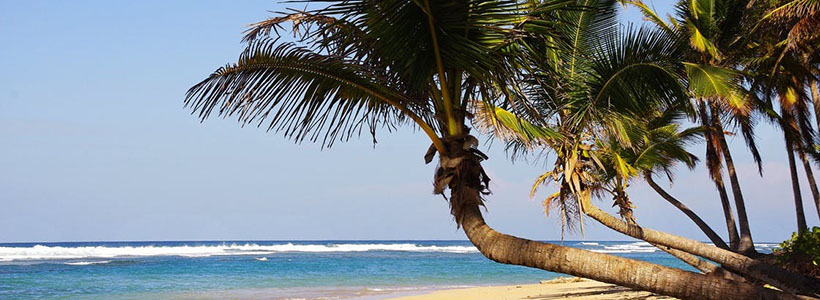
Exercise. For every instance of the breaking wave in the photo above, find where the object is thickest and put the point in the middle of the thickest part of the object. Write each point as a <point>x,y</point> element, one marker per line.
<point>102,252</point>
<point>86,263</point>
<point>636,247</point>
<point>40,252</point>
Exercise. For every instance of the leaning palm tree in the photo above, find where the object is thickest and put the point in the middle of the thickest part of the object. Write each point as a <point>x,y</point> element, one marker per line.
<point>364,65</point>
<point>658,146</point>
<point>661,146</point>
<point>612,88</point>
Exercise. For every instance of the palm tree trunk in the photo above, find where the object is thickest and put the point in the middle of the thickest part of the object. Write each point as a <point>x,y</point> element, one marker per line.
<point>461,172</point>
<point>728,215</point>
<point>746,244</point>
<point>689,259</point>
<point>734,262</point>
<point>714,237</point>
<point>798,199</point>
<point>713,163</point>
<point>815,96</point>
<point>810,177</point>
<point>626,272</point>
<point>700,264</point>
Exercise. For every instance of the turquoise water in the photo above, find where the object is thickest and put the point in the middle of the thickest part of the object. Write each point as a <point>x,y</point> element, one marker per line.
<point>265,269</point>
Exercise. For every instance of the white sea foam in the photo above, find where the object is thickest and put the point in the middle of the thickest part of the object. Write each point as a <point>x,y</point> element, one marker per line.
<point>636,247</point>
<point>40,252</point>
<point>86,263</point>
<point>766,247</point>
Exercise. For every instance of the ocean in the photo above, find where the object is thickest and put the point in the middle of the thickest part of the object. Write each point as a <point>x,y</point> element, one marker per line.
<point>269,269</point>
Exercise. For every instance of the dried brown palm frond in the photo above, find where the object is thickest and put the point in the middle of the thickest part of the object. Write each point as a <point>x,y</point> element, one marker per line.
<point>463,174</point>
<point>301,23</point>
<point>576,175</point>
<point>625,206</point>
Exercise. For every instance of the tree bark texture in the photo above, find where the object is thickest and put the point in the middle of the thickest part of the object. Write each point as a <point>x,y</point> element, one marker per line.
<point>746,244</point>
<point>626,272</point>
<point>798,199</point>
<point>734,262</point>
<point>812,183</point>
<point>689,259</point>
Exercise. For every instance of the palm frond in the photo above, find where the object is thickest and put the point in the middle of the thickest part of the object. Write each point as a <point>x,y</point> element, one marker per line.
<point>708,81</point>
<point>303,94</point>
<point>636,73</point>
<point>509,127</point>
<point>649,14</point>
<point>794,9</point>
<point>700,42</point>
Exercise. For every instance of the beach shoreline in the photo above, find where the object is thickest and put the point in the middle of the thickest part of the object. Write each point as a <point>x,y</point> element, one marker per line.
<point>559,288</point>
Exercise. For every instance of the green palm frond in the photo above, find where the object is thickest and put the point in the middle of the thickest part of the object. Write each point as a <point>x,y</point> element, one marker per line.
<point>508,127</point>
<point>357,65</point>
<point>700,42</point>
<point>303,94</point>
<point>702,10</point>
<point>585,28</point>
<point>649,14</point>
<point>636,73</point>
<point>707,81</point>
<point>658,145</point>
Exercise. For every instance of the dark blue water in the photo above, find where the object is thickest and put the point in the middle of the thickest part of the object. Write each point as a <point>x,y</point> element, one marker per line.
<point>246,269</point>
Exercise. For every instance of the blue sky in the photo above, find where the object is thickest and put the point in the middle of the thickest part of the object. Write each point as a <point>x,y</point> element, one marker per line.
<point>95,145</point>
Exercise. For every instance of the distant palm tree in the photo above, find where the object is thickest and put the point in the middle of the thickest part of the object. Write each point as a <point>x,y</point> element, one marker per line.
<point>784,79</point>
<point>792,32</point>
<point>363,65</point>
<point>715,29</point>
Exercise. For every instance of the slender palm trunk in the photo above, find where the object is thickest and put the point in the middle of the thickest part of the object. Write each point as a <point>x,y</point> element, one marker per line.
<point>626,272</point>
<point>810,177</point>
<point>798,199</point>
<point>715,172</point>
<point>734,238</point>
<point>734,262</point>
<point>689,259</point>
<point>815,96</point>
<point>714,237</point>
<point>746,244</point>
<point>700,264</point>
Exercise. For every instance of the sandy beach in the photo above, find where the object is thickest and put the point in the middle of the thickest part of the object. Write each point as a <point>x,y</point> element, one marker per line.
<point>561,288</point>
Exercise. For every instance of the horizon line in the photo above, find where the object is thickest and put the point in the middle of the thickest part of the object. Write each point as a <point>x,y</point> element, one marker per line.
<point>316,240</point>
